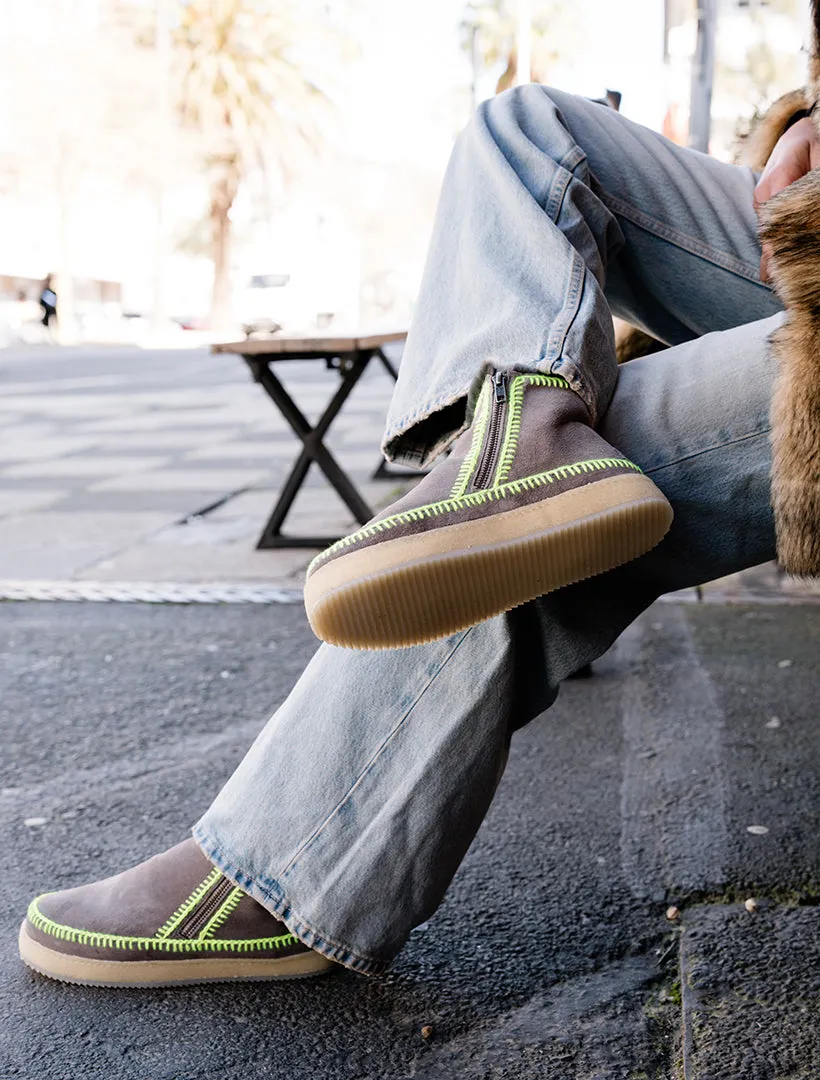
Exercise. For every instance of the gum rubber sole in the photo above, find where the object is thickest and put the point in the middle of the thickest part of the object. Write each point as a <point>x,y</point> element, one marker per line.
<point>85,971</point>
<point>418,588</point>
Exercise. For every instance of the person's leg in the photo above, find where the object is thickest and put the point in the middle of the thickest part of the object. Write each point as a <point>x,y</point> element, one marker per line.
<point>696,419</point>
<point>555,213</point>
<point>553,209</point>
<point>350,815</point>
<point>353,809</point>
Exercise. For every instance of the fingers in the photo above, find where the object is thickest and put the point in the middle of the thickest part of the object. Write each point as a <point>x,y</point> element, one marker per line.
<point>796,153</point>
<point>781,175</point>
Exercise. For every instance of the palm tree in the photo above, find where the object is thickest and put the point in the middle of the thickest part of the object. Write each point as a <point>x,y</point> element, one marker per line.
<point>245,88</point>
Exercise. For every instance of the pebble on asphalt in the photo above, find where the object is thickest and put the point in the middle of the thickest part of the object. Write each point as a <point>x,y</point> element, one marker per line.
<point>757,830</point>
<point>751,905</point>
<point>672,913</point>
<point>427,1031</point>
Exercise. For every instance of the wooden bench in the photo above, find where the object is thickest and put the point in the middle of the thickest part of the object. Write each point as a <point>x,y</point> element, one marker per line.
<point>348,356</point>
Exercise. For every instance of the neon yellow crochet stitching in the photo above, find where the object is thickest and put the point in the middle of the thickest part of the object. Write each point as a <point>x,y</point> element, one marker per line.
<point>474,498</point>
<point>100,940</point>
<point>188,905</point>
<point>222,913</point>
<point>469,463</point>
<point>513,427</point>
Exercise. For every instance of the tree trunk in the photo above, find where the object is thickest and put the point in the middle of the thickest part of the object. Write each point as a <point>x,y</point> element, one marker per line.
<point>223,193</point>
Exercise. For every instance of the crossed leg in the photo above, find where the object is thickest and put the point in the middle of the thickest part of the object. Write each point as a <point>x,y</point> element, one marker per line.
<point>350,814</point>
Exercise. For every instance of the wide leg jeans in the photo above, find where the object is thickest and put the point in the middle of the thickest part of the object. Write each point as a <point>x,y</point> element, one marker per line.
<point>354,807</point>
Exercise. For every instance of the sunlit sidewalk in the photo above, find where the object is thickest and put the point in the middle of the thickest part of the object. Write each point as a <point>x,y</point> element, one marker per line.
<point>121,465</point>
<point>159,468</point>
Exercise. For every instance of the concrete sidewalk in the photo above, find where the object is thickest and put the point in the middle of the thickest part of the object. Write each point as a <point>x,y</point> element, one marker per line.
<point>122,465</point>
<point>685,772</point>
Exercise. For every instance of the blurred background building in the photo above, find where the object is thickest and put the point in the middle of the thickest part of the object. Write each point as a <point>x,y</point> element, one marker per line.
<point>194,167</point>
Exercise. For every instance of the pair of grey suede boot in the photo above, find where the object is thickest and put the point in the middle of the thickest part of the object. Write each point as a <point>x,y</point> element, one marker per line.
<point>531,499</point>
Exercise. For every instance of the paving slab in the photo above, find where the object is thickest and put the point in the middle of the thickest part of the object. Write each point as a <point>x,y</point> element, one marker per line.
<point>260,447</point>
<point>41,447</point>
<point>196,479</point>
<point>167,439</point>
<point>66,543</point>
<point>204,562</point>
<point>98,464</point>
<point>174,505</point>
<point>14,502</point>
<point>751,992</point>
<point>177,433</point>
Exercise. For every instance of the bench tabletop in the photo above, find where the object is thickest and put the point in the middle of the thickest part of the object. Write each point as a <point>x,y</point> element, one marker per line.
<point>295,344</point>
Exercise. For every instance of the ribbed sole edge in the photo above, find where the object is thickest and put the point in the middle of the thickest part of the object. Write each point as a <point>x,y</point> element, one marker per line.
<point>442,594</point>
<point>147,974</point>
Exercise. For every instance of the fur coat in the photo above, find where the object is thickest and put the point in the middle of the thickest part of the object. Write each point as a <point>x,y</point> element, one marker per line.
<point>790,224</point>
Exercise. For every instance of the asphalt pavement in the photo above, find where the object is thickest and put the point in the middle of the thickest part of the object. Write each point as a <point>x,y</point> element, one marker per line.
<point>684,773</point>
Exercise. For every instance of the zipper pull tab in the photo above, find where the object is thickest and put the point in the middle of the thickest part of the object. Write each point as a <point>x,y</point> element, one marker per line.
<point>500,385</point>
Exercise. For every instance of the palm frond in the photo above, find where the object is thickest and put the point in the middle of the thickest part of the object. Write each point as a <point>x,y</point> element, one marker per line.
<point>244,81</point>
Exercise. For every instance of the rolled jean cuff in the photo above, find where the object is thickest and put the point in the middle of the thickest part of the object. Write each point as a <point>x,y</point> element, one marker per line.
<point>418,438</point>
<point>596,393</point>
<point>269,893</point>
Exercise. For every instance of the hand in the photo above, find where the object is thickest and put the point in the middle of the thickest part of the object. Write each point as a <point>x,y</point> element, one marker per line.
<point>796,153</point>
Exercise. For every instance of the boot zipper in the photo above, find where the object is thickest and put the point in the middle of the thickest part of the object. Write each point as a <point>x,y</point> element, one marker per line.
<point>495,432</point>
<point>192,925</point>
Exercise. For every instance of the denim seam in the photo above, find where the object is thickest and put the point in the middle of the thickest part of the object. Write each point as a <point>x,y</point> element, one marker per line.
<point>574,157</point>
<point>552,206</point>
<point>280,906</point>
<point>574,288</point>
<point>564,319</point>
<point>557,190</point>
<point>764,432</point>
<point>317,832</point>
<point>682,240</point>
<point>558,362</point>
<point>572,302</point>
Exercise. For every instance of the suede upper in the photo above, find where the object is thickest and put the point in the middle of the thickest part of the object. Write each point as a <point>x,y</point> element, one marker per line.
<point>543,447</point>
<point>174,905</point>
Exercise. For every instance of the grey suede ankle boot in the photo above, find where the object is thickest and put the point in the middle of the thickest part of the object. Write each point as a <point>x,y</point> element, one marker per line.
<point>531,499</point>
<point>172,919</point>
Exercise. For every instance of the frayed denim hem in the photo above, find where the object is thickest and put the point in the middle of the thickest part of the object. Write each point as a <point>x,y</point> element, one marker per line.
<point>414,440</point>
<point>268,893</point>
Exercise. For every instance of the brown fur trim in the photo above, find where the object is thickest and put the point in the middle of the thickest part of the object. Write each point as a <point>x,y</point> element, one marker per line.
<point>755,149</point>
<point>630,342</point>
<point>813,88</point>
<point>790,223</point>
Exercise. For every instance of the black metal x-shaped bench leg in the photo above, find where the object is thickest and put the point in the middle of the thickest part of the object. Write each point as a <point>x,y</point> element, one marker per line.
<point>313,449</point>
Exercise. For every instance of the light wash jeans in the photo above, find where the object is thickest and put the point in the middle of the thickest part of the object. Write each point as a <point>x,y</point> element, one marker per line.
<point>353,809</point>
